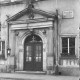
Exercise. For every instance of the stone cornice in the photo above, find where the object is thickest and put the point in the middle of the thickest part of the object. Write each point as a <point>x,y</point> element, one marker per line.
<point>46,24</point>
<point>28,21</point>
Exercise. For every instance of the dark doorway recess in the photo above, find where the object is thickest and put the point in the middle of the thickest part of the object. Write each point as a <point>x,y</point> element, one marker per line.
<point>33,53</point>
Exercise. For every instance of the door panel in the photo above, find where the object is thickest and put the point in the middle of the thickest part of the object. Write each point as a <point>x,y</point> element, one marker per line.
<point>38,57</point>
<point>28,53</point>
<point>33,57</point>
<point>28,62</point>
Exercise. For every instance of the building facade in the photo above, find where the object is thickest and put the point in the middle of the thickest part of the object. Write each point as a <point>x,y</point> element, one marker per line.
<point>41,36</point>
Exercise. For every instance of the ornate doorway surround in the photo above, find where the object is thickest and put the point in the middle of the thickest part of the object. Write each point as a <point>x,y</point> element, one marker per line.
<point>43,44</point>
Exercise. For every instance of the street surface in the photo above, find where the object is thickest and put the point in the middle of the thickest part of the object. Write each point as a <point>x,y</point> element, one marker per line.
<point>19,76</point>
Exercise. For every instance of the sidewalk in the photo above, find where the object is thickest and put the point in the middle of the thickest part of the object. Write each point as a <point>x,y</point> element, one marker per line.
<point>19,76</point>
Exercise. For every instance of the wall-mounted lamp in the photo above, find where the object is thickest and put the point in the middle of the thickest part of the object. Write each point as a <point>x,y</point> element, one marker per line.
<point>8,51</point>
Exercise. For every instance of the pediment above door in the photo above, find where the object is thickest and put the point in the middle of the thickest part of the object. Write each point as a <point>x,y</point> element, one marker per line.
<point>34,19</point>
<point>35,15</point>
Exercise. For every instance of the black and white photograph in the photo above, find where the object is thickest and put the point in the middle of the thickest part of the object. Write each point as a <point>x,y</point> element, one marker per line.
<point>39,39</point>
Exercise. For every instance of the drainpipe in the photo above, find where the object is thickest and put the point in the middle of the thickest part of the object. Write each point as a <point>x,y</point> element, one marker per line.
<point>8,47</point>
<point>8,33</point>
<point>56,67</point>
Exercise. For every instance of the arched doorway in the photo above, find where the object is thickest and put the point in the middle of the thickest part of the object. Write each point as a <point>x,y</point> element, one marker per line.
<point>33,53</point>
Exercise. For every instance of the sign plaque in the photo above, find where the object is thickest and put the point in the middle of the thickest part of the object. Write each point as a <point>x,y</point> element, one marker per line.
<point>67,14</point>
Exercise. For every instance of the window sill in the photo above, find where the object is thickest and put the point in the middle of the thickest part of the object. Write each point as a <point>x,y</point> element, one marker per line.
<point>68,56</point>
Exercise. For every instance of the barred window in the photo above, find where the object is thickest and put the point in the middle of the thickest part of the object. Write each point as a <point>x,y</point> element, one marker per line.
<point>68,45</point>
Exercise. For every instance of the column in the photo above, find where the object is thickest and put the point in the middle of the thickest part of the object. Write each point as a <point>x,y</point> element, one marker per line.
<point>50,62</point>
<point>12,47</point>
<point>12,42</point>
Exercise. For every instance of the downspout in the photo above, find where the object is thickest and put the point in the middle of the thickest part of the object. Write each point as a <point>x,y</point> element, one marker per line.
<point>8,47</point>
<point>8,34</point>
<point>57,34</point>
<point>56,67</point>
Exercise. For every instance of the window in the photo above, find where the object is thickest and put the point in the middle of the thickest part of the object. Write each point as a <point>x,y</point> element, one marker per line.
<point>68,45</point>
<point>2,49</point>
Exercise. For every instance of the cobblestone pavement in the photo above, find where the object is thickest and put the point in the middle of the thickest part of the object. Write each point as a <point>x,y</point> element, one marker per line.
<point>17,76</point>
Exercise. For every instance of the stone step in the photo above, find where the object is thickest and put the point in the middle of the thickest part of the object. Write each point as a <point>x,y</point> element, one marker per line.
<point>31,72</point>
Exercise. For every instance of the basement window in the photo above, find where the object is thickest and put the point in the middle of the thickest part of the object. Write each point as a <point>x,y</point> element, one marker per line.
<point>2,49</point>
<point>68,46</point>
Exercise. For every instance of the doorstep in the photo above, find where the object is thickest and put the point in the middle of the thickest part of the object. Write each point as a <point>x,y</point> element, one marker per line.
<point>31,72</point>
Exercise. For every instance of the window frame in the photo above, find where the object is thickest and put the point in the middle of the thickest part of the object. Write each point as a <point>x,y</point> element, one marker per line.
<point>68,45</point>
<point>67,36</point>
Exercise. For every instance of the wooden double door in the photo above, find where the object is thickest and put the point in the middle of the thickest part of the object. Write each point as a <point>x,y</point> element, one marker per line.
<point>33,56</point>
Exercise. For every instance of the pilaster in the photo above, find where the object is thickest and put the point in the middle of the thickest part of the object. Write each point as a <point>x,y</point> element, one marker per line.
<point>50,58</point>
